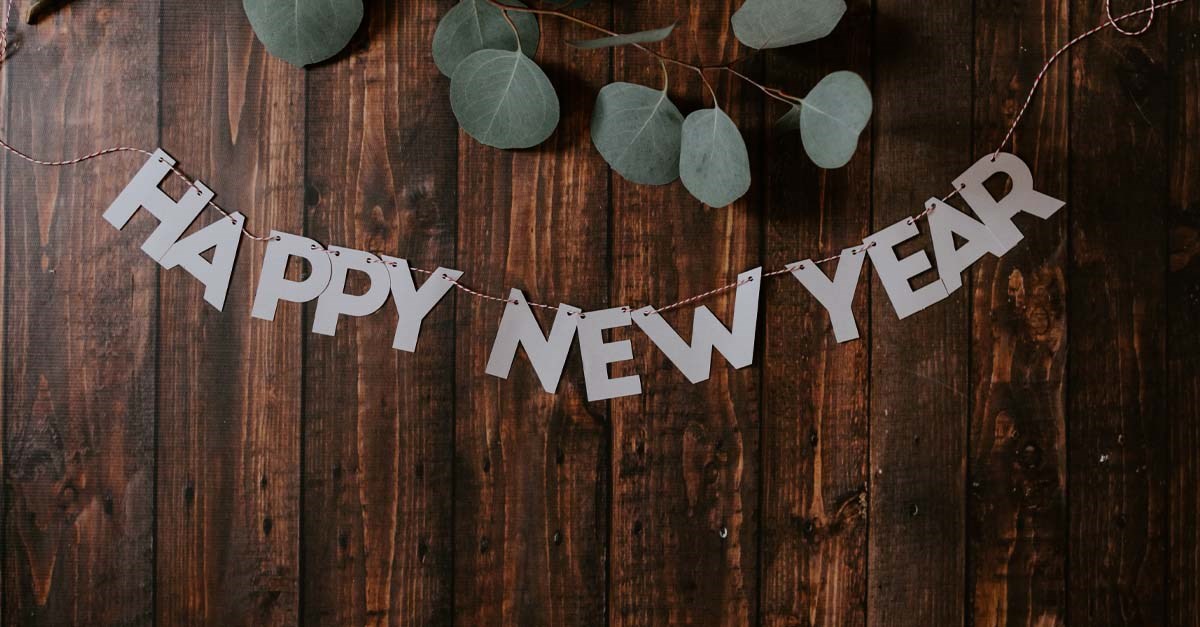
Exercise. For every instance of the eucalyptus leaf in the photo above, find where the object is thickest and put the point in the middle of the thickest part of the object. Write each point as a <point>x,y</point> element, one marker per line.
<point>790,121</point>
<point>503,99</point>
<point>713,163</point>
<point>640,37</point>
<point>41,8</point>
<point>474,25</point>
<point>637,130</point>
<point>832,116</point>
<point>303,32</point>
<point>766,24</point>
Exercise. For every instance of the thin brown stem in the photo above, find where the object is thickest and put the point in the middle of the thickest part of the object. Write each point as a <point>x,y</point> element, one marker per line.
<point>773,92</point>
<point>736,60</point>
<point>513,26</point>
<point>777,94</point>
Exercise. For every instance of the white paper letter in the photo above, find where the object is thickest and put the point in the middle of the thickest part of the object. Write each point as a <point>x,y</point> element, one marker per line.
<point>413,304</point>
<point>944,222</point>
<point>334,300</point>
<point>273,287</point>
<point>998,214</point>
<point>547,355</point>
<point>837,296</point>
<point>173,217</point>
<point>224,236</point>
<point>894,273</point>
<point>596,355</point>
<point>695,361</point>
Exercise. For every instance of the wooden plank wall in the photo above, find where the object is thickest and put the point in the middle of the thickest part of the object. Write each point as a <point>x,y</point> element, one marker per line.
<point>1021,453</point>
<point>1116,371</point>
<point>918,403</point>
<point>1016,446</point>
<point>80,342</point>
<point>228,494</point>
<point>1183,309</point>
<point>813,538</point>
<point>685,458</point>
<point>377,423</point>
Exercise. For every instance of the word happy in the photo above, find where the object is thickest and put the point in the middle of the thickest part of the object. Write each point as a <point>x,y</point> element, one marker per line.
<point>990,231</point>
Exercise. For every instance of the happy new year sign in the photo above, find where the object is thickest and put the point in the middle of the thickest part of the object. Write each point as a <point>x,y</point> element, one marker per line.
<point>990,231</point>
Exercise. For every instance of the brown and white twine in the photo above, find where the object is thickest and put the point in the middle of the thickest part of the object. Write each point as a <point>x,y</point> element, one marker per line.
<point>1110,21</point>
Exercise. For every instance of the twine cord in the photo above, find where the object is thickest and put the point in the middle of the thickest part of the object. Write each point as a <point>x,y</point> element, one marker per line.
<point>1110,21</point>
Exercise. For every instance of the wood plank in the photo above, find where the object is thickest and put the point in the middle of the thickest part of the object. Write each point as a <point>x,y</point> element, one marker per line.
<point>815,390</point>
<point>5,159</point>
<point>80,328</point>
<point>919,378</point>
<point>531,471</point>
<point>1183,309</point>
<point>1016,502</point>
<point>379,423</point>
<point>229,432</point>
<point>1117,425</point>
<point>684,546</point>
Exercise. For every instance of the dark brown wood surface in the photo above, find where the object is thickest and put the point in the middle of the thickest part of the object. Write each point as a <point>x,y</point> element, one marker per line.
<point>917,403</point>
<point>813,535</point>
<point>1016,446</point>
<point>1117,424</point>
<point>227,509</point>
<point>81,342</point>
<point>1022,453</point>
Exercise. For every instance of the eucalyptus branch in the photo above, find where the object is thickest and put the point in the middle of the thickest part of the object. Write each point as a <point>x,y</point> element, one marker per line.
<point>502,98</point>
<point>775,93</point>
<point>513,26</point>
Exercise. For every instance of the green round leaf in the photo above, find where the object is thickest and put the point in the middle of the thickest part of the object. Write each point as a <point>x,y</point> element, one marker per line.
<point>637,130</point>
<point>832,116</point>
<point>474,25</point>
<point>503,99</point>
<point>790,121</point>
<point>302,32</point>
<point>765,24</point>
<point>713,163</point>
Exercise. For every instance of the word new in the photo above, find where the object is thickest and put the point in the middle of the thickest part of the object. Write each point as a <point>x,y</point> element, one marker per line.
<point>390,277</point>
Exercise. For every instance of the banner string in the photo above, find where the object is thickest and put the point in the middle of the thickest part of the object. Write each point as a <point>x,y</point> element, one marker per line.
<point>1110,21</point>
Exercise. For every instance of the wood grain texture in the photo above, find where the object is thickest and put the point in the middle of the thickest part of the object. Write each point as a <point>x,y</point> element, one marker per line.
<point>1183,310</point>
<point>1019,454</point>
<point>5,160</point>
<point>1117,425</point>
<point>919,381</point>
<point>80,327</point>
<point>814,435</point>
<point>1016,495</point>
<point>228,483</point>
<point>685,457</point>
<point>531,471</point>
<point>379,423</point>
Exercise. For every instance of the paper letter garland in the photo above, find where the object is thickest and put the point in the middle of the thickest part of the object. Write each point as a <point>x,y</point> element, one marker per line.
<point>273,287</point>
<point>838,295</point>
<point>223,236</point>
<point>334,301</point>
<point>173,217</point>
<point>895,273</point>
<point>946,221</point>
<point>597,355</point>
<point>695,361</point>
<point>414,304</point>
<point>519,327</point>
<point>998,214</point>
<point>391,278</point>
